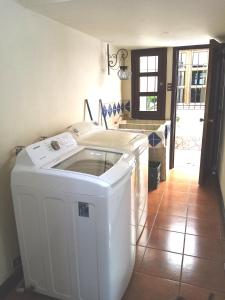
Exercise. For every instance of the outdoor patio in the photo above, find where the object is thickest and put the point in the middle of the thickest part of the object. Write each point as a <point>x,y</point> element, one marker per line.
<point>188,135</point>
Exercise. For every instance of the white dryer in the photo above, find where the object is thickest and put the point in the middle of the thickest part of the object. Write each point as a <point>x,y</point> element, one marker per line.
<point>89,133</point>
<point>73,214</point>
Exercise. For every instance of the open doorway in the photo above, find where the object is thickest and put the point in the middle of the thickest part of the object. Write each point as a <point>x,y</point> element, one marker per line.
<point>190,95</point>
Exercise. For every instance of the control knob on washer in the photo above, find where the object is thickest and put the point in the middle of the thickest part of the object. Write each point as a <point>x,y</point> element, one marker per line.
<point>55,145</point>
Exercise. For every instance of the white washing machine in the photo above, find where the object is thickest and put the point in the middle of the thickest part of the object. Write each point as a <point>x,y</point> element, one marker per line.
<point>73,214</point>
<point>89,133</point>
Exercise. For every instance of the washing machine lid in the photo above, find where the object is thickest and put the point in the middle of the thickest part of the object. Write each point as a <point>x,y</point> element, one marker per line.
<point>89,133</point>
<point>60,157</point>
<point>114,139</point>
<point>90,161</point>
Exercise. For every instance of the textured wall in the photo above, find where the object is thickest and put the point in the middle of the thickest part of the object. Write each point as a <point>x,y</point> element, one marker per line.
<point>47,70</point>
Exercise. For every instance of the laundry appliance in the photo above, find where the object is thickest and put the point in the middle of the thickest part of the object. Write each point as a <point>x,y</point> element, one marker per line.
<point>72,206</point>
<point>90,133</point>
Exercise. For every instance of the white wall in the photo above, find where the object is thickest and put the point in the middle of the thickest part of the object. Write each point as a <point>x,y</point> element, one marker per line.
<point>126,84</point>
<point>46,71</point>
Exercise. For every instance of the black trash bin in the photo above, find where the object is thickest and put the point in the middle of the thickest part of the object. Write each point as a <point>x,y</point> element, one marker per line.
<point>154,174</point>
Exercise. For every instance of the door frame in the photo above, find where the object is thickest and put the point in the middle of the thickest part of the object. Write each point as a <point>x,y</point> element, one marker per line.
<point>173,110</point>
<point>213,114</point>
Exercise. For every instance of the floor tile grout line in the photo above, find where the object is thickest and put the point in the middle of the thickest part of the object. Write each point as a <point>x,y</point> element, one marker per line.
<point>151,228</point>
<point>173,215</point>
<point>177,281</point>
<point>204,287</point>
<point>187,204</point>
<point>156,276</point>
<point>182,261</point>
<point>163,250</point>
<point>183,254</point>
<point>184,233</point>
<point>188,197</point>
<point>205,237</point>
<point>204,219</point>
<point>162,228</point>
<point>191,217</point>
<point>167,214</point>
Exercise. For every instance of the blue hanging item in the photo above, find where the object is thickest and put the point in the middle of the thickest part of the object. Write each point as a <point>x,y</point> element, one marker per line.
<point>110,110</point>
<point>118,108</point>
<point>114,109</point>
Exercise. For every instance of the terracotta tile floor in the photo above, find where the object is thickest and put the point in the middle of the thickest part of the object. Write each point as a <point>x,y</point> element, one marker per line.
<point>182,247</point>
<point>181,251</point>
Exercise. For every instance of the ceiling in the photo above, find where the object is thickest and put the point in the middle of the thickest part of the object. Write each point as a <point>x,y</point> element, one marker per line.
<point>139,23</point>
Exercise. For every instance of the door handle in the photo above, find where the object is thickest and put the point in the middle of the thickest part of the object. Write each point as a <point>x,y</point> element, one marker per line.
<point>209,120</point>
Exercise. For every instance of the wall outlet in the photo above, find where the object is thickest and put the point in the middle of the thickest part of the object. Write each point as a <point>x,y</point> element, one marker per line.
<point>16,262</point>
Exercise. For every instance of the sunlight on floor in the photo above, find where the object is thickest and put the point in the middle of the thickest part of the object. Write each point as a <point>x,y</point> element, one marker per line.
<point>187,159</point>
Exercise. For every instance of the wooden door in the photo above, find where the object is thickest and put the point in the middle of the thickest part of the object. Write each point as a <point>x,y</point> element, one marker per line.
<point>212,118</point>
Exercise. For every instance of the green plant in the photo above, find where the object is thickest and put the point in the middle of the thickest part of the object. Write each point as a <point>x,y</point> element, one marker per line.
<point>151,103</point>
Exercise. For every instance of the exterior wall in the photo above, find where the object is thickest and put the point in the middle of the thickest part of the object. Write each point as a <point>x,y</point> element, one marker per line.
<point>47,70</point>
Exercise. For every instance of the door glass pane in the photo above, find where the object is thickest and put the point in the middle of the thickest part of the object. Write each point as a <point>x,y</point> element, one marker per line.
<point>200,58</point>
<point>198,95</point>
<point>148,64</point>
<point>203,58</point>
<point>148,103</point>
<point>181,78</point>
<point>143,84</point>
<point>143,64</point>
<point>148,84</point>
<point>182,59</point>
<point>180,95</point>
<point>199,77</point>
<point>195,59</point>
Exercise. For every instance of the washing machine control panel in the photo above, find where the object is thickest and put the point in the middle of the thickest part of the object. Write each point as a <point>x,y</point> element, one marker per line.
<point>51,149</point>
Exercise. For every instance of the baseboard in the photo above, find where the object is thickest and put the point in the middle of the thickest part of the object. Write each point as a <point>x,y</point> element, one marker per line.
<point>11,282</point>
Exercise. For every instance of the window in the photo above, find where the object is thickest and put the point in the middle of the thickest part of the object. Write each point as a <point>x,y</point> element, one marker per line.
<point>182,59</point>
<point>181,78</point>
<point>148,83</point>
<point>192,77</point>
<point>198,95</point>
<point>200,58</point>
<point>180,95</point>
<point>199,77</point>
